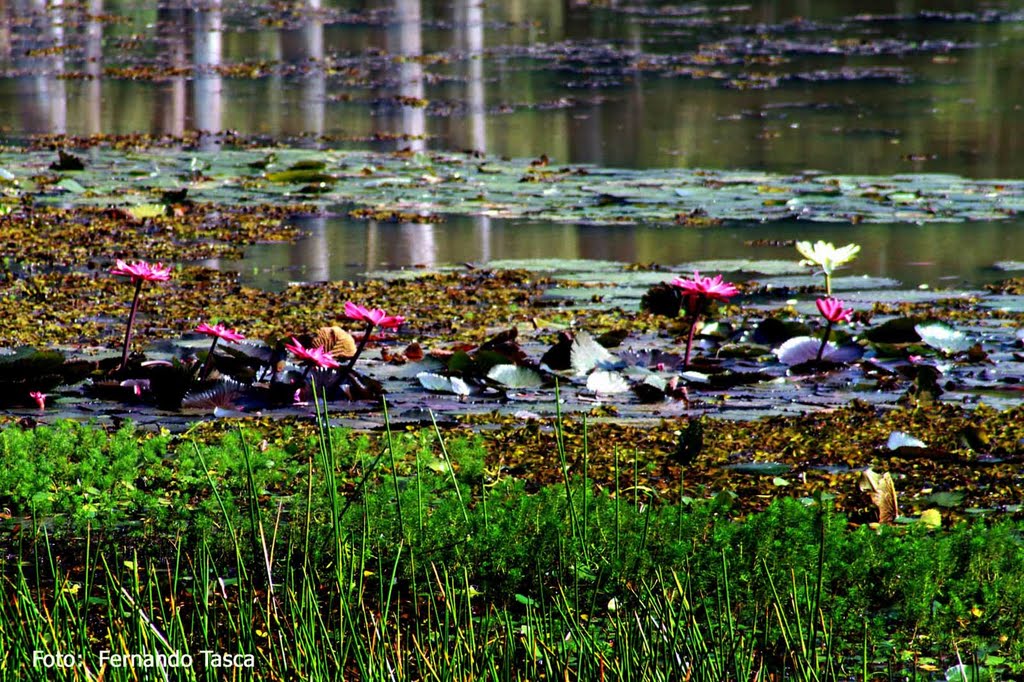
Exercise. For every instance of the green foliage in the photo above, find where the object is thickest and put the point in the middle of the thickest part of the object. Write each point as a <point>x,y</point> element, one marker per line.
<point>388,534</point>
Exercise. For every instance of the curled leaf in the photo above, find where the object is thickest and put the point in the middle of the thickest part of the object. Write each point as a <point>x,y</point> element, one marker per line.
<point>883,494</point>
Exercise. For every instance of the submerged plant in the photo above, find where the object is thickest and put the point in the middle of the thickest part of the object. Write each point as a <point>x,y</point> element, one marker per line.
<point>826,256</point>
<point>139,272</point>
<point>374,317</point>
<point>698,293</point>
<point>218,332</point>
<point>833,311</point>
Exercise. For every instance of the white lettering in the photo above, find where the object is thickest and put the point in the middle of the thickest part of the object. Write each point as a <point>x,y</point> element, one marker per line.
<point>42,659</point>
<point>215,659</point>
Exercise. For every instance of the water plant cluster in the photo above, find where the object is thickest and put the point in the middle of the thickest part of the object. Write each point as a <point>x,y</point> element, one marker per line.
<point>236,374</point>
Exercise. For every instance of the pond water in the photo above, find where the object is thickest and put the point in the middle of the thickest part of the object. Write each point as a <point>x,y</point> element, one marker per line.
<point>845,87</point>
<point>334,248</point>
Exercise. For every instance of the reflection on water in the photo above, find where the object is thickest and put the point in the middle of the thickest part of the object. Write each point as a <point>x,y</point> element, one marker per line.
<point>502,77</point>
<point>207,54</point>
<point>339,249</point>
<point>579,82</point>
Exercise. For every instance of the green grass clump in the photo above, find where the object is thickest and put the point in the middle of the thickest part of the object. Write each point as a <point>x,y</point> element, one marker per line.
<point>405,556</point>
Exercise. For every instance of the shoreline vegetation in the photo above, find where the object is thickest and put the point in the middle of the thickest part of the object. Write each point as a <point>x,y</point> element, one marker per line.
<point>322,551</point>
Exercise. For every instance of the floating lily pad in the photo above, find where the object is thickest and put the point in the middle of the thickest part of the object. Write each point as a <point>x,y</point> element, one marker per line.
<point>603,381</point>
<point>443,384</point>
<point>514,376</point>
<point>943,337</point>
<point>899,439</point>
<point>586,354</point>
<point>760,267</point>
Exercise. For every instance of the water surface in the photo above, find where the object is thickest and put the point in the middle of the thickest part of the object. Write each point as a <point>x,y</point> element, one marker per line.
<point>845,87</point>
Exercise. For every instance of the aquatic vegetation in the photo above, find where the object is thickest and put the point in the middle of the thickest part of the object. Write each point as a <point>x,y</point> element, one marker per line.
<point>312,357</point>
<point>833,311</point>
<point>138,272</point>
<point>826,256</point>
<point>218,332</point>
<point>374,317</point>
<point>698,293</point>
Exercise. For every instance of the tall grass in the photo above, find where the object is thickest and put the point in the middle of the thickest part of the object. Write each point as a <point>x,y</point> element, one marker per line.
<point>367,574</point>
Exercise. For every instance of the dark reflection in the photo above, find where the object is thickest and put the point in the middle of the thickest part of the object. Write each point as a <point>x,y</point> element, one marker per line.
<point>207,54</point>
<point>93,67</point>
<point>41,93</point>
<point>404,39</point>
<point>170,111</point>
<point>304,48</point>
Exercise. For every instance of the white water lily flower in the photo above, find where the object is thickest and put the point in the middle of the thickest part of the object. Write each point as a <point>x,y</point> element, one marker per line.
<point>826,255</point>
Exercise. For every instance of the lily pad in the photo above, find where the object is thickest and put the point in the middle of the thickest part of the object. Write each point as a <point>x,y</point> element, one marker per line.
<point>899,439</point>
<point>586,354</point>
<point>443,384</point>
<point>514,376</point>
<point>943,337</point>
<point>603,381</point>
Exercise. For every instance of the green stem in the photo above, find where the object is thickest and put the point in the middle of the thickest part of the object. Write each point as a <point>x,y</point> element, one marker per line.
<point>205,369</point>
<point>824,341</point>
<point>131,321</point>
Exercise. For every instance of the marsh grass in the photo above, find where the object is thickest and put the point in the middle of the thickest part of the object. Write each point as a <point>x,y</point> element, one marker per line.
<point>321,563</point>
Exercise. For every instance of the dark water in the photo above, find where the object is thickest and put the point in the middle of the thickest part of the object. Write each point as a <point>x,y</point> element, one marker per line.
<point>844,87</point>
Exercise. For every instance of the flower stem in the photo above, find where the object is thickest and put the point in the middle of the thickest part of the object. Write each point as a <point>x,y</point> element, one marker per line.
<point>205,370</point>
<point>131,321</point>
<point>359,351</point>
<point>828,284</point>
<point>824,341</point>
<point>689,340</point>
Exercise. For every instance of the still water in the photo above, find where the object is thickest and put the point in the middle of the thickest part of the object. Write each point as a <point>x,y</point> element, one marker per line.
<point>844,87</point>
<point>337,248</point>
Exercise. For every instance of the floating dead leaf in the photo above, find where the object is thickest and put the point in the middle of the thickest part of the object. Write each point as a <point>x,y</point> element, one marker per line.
<point>414,352</point>
<point>336,341</point>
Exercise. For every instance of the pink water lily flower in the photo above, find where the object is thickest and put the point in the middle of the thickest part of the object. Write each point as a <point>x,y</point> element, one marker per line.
<point>141,271</point>
<point>219,331</point>
<point>833,311</point>
<point>40,398</point>
<point>314,357</point>
<point>375,316</point>
<point>709,288</point>
<point>697,294</point>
